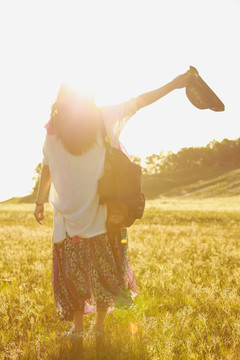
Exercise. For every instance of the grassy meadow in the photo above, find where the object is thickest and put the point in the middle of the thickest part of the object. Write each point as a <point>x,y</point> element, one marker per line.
<point>185,254</point>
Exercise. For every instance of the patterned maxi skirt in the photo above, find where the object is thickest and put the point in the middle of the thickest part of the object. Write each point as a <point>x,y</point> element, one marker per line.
<point>91,273</point>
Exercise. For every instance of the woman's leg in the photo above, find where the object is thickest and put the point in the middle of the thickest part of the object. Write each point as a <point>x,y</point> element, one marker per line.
<point>101,314</point>
<point>100,317</point>
<point>78,320</point>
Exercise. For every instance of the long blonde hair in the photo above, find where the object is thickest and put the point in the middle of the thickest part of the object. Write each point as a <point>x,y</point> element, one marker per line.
<point>75,119</point>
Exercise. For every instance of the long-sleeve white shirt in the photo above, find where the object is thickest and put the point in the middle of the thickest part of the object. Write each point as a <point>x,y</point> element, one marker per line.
<point>73,193</point>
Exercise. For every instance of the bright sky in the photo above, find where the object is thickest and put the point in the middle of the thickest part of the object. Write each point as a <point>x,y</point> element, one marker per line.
<point>118,49</point>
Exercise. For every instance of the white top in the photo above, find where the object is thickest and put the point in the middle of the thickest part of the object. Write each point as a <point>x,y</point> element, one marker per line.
<point>73,193</point>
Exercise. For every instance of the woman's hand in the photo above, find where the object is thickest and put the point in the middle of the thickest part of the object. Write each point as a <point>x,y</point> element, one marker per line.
<point>39,213</point>
<point>181,80</point>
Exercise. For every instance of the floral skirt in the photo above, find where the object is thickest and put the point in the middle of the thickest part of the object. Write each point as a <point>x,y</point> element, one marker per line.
<point>91,273</point>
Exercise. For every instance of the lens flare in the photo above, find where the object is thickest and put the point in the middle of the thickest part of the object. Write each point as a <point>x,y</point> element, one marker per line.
<point>123,241</point>
<point>133,328</point>
<point>108,138</point>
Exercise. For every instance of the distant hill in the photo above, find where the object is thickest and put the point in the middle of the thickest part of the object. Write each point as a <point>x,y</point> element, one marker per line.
<point>18,199</point>
<point>207,171</point>
<point>205,182</point>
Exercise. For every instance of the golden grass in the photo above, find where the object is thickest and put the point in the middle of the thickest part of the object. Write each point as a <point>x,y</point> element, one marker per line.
<point>186,257</point>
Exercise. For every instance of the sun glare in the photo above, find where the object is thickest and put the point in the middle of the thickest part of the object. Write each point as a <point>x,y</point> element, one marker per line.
<point>133,328</point>
<point>80,83</point>
<point>110,57</point>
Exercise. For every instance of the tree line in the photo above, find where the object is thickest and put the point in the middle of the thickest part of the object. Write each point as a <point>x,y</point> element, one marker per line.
<point>217,154</point>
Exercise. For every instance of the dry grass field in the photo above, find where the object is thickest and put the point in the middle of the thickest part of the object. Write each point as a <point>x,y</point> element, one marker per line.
<point>186,257</point>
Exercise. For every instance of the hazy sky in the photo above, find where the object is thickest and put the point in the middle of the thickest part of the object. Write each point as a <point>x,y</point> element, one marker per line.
<point>118,49</point>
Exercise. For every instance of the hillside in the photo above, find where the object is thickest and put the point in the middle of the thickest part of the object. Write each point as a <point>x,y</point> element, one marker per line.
<point>206,182</point>
<point>208,171</point>
<point>18,200</point>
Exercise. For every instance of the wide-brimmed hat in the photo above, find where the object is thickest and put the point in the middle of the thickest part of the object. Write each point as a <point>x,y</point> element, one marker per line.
<point>200,94</point>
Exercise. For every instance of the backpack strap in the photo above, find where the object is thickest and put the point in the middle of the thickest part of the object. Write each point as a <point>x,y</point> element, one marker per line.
<point>106,138</point>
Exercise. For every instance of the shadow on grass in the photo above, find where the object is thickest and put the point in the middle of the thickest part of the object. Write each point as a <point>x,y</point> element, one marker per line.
<point>130,347</point>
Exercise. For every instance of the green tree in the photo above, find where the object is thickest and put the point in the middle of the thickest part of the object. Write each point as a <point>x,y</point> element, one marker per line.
<point>136,159</point>
<point>37,171</point>
<point>154,163</point>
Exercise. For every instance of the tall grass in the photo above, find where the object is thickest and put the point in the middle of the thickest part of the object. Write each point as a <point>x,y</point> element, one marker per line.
<point>186,258</point>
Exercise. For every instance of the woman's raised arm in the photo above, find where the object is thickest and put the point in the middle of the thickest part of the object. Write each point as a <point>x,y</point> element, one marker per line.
<point>154,95</point>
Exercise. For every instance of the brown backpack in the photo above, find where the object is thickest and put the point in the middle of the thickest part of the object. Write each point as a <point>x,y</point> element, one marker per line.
<point>120,187</point>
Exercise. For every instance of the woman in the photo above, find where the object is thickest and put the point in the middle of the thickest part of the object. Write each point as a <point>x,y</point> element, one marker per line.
<point>91,269</point>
